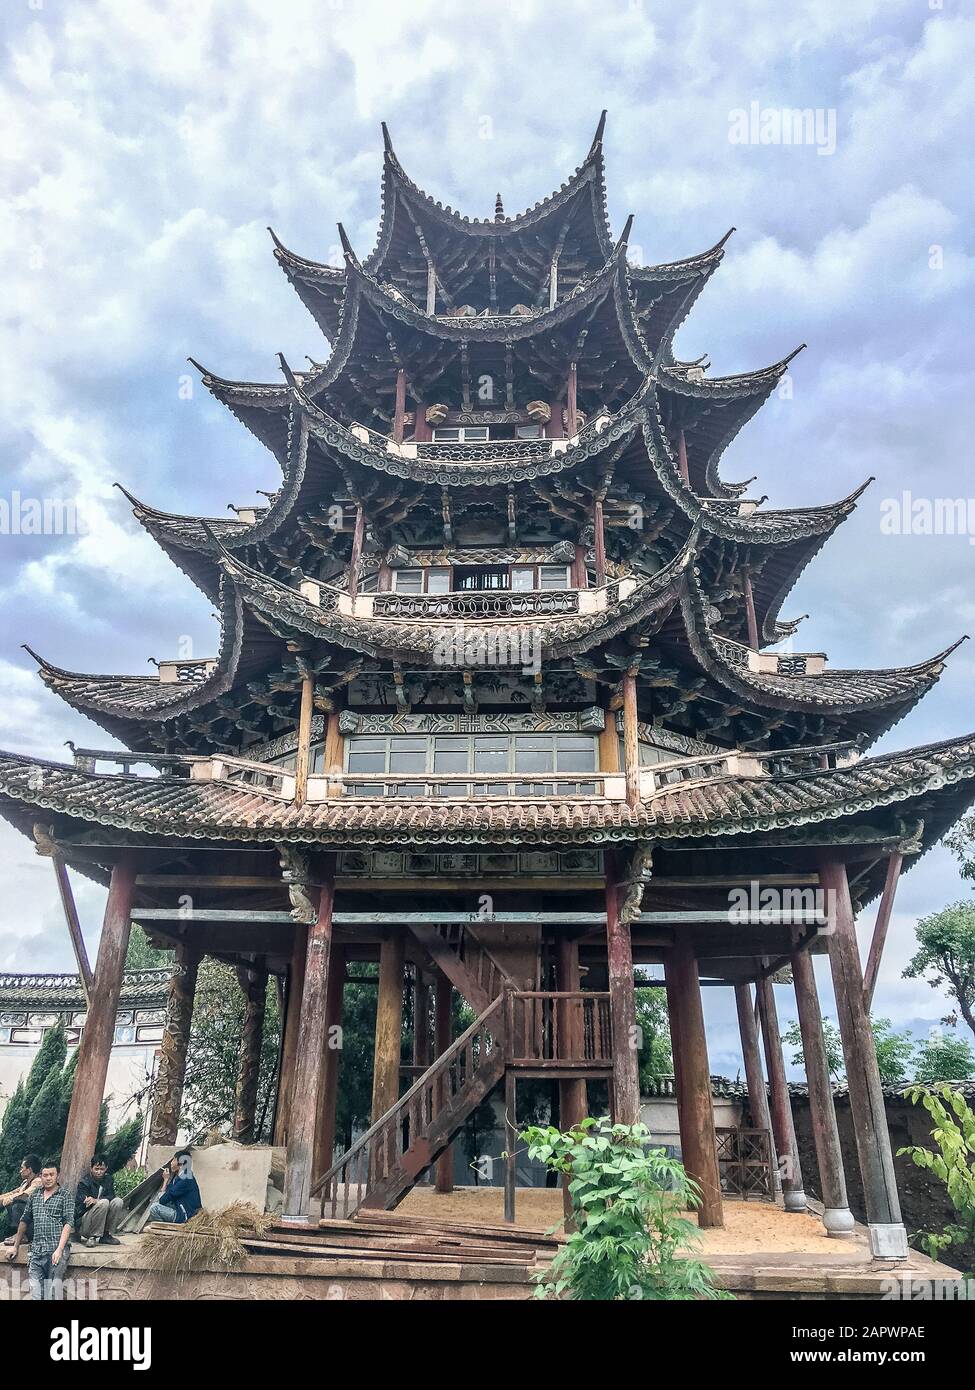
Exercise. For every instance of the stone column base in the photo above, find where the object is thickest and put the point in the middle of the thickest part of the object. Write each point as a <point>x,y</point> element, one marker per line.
<point>838,1221</point>
<point>794,1200</point>
<point>888,1241</point>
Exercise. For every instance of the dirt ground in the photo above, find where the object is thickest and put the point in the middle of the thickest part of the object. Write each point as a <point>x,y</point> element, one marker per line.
<point>750,1227</point>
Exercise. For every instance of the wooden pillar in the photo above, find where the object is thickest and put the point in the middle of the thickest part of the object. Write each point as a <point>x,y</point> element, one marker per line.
<point>310,1046</point>
<point>693,1077</point>
<point>625,1083</point>
<point>631,740</point>
<point>334,754</point>
<point>510,1142</point>
<point>253,982</point>
<point>837,1217</point>
<point>894,865</point>
<point>751,1055</point>
<point>599,540</point>
<point>421,1020</point>
<point>888,1238</point>
<point>555,429</point>
<point>303,751</point>
<point>399,410</point>
<point>355,559</point>
<point>443,995</point>
<point>609,745</point>
<point>750,610</point>
<point>74,926</point>
<point>572,422</point>
<point>389,1025</point>
<point>783,1128</point>
<point>431,287</point>
<point>289,1046</point>
<point>331,1059</point>
<point>171,1073</point>
<point>422,430</point>
<point>99,1030</point>
<point>573,1102</point>
<point>682,459</point>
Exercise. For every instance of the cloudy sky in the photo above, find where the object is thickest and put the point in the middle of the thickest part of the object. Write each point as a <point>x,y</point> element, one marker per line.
<point>149,144</point>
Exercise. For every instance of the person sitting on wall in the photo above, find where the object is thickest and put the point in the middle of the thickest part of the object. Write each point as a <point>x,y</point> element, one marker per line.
<point>180,1198</point>
<point>15,1201</point>
<point>97,1210</point>
<point>51,1211</point>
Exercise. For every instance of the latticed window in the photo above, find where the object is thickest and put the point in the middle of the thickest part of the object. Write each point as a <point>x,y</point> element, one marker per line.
<point>456,756</point>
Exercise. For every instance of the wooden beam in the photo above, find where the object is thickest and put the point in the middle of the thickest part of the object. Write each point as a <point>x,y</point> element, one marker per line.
<point>894,865</point>
<point>98,1034</point>
<point>74,925</point>
<point>358,538</point>
<point>750,609</point>
<point>303,751</point>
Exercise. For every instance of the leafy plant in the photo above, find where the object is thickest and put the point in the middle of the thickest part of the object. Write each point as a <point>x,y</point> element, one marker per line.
<point>127,1180</point>
<point>630,1241</point>
<point>894,1050</point>
<point>792,1037</point>
<point>946,947</point>
<point>953,1163</point>
<point>944,1058</point>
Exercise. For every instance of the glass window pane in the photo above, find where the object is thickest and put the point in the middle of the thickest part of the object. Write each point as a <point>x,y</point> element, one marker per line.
<point>478,432</point>
<point>408,581</point>
<point>554,577</point>
<point>575,753</point>
<point>367,754</point>
<point>451,755</point>
<point>533,753</point>
<point>528,431</point>
<point>445,436</point>
<point>490,753</point>
<point>438,580</point>
<point>523,577</point>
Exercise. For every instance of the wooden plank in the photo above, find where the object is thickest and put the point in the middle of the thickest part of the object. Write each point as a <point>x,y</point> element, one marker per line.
<point>886,907</point>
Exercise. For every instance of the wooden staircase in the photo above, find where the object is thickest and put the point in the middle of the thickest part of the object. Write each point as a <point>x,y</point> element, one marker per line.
<point>382,1165</point>
<point>468,964</point>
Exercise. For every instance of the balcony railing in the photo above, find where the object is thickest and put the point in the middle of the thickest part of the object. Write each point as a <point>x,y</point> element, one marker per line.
<point>483,786</point>
<point>481,603</point>
<point>568,1029</point>
<point>768,663</point>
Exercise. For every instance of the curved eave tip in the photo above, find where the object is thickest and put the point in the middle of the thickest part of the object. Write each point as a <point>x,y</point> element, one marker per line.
<point>206,375</point>
<point>129,497</point>
<point>953,648</point>
<point>289,375</point>
<point>793,354</point>
<point>387,142</point>
<point>347,250</point>
<point>278,243</point>
<point>31,652</point>
<point>597,139</point>
<point>726,238</point>
<point>858,493</point>
<point>621,245</point>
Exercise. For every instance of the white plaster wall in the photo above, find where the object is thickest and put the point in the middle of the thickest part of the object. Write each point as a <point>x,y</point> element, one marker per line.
<point>129,1073</point>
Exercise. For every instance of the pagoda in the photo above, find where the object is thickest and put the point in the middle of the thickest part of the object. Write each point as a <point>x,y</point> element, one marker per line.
<point>503,699</point>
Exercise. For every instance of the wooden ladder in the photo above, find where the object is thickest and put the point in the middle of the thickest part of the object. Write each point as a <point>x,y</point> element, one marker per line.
<point>381,1166</point>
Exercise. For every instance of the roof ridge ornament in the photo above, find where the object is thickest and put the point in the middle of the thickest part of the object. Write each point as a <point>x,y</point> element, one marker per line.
<point>597,139</point>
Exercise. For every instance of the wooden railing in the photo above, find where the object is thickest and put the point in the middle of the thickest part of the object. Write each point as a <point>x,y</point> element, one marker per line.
<point>569,1028</point>
<point>393,1152</point>
<point>487,786</point>
<point>477,603</point>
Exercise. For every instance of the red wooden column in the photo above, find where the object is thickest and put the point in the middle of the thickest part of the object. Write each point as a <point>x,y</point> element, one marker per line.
<point>783,1129</point>
<point>358,536</point>
<point>99,1031</point>
<point>572,421</point>
<point>625,1083</point>
<point>888,1238</point>
<point>599,540</point>
<point>253,983</point>
<point>837,1217</point>
<point>308,1065</point>
<point>443,995</point>
<point>692,1076</point>
<point>171,1074</point>
<point>631,740</point>
<point>399,410</point>
<point>289,1047</point>
<point>555,428</point>
<point>334,995</point>
<point>389,1025</point>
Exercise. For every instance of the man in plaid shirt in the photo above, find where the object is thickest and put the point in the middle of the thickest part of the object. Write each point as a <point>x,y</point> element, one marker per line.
<point>52,1211</point>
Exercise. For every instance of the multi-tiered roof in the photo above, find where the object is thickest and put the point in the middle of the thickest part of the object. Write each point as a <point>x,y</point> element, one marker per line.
<point>684,584</point>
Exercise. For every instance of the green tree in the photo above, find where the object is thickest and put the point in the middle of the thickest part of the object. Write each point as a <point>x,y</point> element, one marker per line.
<point>894,1050</point>
<point>49,1057</point>
<point>944,1058</point>
<point>141,956</point>
<point>946,954</point>
<point>656,1054</point>
<point>792,1037</point>
<point>630,1240</point>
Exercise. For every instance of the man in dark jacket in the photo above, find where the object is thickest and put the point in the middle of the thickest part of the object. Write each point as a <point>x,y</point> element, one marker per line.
<point>97,1210</point>
<point>180,1197</point>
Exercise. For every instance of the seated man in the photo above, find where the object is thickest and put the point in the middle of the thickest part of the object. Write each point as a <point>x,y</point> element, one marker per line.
<point>15,1200</point>
<point>180,1198</point>
<point>51,1211</point>
<point>97,1210</point>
